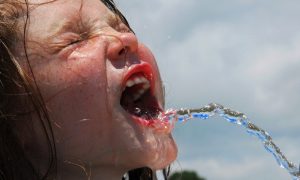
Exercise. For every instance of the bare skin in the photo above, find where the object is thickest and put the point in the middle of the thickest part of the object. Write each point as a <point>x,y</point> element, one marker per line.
<point>81,79</point>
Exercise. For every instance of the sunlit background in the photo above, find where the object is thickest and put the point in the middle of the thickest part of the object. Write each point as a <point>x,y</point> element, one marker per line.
<point>243,54</point>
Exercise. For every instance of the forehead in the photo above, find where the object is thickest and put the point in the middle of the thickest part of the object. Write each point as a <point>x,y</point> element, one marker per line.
<point>61,6</point>
<point>47,16</point>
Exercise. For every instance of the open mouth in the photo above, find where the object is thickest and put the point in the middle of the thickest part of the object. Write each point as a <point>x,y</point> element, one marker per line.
<point>138,98</point>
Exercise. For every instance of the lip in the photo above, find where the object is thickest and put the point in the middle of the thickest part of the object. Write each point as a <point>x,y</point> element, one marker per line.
<point>156,124</point>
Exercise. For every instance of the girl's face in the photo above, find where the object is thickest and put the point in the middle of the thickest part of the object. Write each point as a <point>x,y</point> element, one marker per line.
<point>101,87</point>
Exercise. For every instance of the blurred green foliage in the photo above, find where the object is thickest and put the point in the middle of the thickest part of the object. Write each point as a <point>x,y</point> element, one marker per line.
<point>185,175</point>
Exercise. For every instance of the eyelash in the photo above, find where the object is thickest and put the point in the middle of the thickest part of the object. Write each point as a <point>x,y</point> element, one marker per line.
<point>70,43</point>
<point>78,38</point>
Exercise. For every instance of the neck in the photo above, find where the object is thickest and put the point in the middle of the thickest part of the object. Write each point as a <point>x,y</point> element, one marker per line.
<point>80,171</point>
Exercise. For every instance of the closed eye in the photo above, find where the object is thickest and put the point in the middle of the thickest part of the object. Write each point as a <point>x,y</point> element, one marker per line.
<point>78,38</point>
<point>66,43</point>
<point>74,42</point>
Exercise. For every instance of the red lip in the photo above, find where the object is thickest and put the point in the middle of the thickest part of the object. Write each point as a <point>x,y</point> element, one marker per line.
<point>158,125</point>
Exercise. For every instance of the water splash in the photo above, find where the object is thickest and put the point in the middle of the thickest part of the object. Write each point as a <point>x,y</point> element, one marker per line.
<point>238,118</point>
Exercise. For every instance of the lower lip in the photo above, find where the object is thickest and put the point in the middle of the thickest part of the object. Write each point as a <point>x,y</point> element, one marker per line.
<point>157,125</point>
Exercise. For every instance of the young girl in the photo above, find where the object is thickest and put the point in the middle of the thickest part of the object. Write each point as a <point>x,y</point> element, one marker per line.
<point>79,95</point>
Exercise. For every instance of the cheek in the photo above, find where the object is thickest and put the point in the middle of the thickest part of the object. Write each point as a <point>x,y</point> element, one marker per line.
<point>75,82</point>
<point>82,69</point>
<point>75,92</point>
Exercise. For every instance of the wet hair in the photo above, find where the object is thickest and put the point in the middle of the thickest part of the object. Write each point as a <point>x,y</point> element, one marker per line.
<point>19,88</point>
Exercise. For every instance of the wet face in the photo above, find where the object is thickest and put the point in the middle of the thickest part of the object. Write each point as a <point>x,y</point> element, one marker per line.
<point>101,86</point>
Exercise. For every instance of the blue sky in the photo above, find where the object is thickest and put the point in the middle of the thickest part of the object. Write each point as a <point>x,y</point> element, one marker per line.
<point>243,54</point>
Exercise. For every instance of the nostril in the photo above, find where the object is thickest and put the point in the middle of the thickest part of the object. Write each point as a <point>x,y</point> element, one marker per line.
<point>123,51</point>
<point>121,44</point>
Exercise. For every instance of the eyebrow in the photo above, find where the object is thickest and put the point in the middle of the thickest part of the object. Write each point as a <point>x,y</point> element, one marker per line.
<point>66,25</point>
<point>77,25</point>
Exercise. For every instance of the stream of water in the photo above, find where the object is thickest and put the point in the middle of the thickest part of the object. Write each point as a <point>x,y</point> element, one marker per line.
<point>238,118</point>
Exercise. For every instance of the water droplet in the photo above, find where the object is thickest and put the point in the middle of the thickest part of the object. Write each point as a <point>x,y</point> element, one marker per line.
<point>137,110</point>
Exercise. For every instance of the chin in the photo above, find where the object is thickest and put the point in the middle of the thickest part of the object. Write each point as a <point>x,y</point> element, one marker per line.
<point>157,152</point>
<point>164,157</point>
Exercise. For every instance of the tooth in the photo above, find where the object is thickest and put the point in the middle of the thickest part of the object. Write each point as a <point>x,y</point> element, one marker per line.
<point>137,80</point>
<point>146,85</point>
<point>147,81</point>
<point>130,83</point>
<point>143,79</point>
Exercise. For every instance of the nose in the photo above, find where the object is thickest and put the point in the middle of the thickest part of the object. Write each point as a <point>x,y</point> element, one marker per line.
<point>122,44</point>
